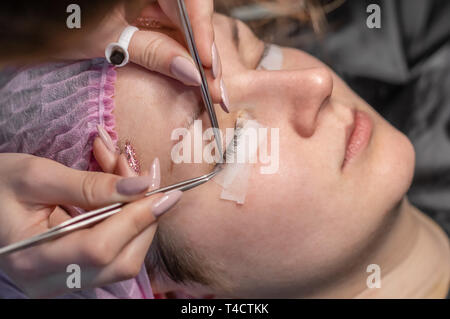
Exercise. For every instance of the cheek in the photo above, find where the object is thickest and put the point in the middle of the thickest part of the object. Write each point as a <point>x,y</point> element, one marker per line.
<point>280,208</point>
<point>274,228</point>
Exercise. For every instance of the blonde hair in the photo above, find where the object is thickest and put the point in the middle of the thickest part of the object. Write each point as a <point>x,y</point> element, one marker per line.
<point>307,12</point>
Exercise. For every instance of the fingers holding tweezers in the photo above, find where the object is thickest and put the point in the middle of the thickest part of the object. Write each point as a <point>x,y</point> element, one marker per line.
<point>100,250</point>
<point>133,252</point>
<point>200,15</point>
<point>115,248</point>
<point>66,186</point>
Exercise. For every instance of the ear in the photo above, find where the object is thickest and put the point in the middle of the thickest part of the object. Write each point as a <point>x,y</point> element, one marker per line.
<point>105,158</point>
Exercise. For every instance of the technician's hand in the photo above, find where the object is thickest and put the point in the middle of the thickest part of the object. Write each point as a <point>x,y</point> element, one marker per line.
<point>31,190</point>
<point>154,47</point>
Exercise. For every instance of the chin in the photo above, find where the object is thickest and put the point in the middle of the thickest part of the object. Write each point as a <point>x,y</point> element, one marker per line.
<point>394,170</point>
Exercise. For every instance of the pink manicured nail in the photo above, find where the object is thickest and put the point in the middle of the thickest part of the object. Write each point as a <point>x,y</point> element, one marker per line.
<point>132,160</point>
<point>225,103</point>
<point>106,139</point>
<point>132,185</point>
<point>166,203</point>
<point>155,174</point>
<point>216,63</point>
<point>185,71</point>
<point>123,163</point>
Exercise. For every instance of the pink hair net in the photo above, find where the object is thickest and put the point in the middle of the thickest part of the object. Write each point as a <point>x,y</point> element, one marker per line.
<point>52,111</point>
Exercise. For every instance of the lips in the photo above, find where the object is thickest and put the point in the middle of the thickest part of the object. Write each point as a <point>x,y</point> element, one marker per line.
<point>358,136</point>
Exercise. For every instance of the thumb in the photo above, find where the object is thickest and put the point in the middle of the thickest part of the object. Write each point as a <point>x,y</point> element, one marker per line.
<point>43,181</point>
<point>158,52</point>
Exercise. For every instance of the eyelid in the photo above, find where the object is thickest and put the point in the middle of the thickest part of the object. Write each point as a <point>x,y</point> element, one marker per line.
<point>263,55</point>
<point>236,38</point>
<point>235,33</point>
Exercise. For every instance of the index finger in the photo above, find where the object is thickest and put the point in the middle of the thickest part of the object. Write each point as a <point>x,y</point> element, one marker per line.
<point>43,181</point>
<point>200,14</point>
<point>100,244</point>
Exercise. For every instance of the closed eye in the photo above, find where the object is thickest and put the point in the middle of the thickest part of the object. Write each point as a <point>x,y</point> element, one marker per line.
<point>237,41</point>
<point>264,54</point>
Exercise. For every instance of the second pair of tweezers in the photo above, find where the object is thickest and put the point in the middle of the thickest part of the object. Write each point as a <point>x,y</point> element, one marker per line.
<point>100,214</point>
<point>95,216</point>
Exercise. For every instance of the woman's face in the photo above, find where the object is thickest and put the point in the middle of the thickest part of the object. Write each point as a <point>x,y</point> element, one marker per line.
<point>311,219</point>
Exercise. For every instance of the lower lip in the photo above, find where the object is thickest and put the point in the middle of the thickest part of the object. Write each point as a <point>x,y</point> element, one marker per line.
<point>360,136</point>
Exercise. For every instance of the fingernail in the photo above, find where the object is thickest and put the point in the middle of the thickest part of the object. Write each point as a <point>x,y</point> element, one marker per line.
<point>132,185</point>
<point>225,103</point>
<point>106,139</point>
<point>132,160</point>
<point>166,202</point>
<point>185,71</point>
<point>216,63</point>
<point>126,166</point>
<point>155,174</point>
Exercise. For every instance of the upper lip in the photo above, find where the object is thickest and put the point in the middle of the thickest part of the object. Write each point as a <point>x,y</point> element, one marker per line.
<point>349,129</point>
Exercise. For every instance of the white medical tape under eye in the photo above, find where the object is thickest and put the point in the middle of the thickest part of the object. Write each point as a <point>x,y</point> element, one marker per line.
<point>235,176</point>
<point>121,45</point>
<point>273,61</point>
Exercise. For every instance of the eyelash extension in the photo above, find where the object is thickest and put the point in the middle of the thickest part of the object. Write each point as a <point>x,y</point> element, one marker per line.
<point>232,146</point>
<point>264,54</point>
<point>266,50</point>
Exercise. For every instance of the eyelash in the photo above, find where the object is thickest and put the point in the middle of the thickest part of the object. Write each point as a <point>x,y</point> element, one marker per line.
<point>232,146</point>
<point>264,54</point>
<point>230,150</point>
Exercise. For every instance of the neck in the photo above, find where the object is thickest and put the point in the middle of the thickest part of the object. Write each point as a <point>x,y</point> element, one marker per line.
<point>413,256</point>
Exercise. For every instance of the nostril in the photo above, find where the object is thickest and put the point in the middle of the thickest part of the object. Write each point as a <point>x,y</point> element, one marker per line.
<point>321,82</point>
<point>325,102</point>
<point>317,86</point>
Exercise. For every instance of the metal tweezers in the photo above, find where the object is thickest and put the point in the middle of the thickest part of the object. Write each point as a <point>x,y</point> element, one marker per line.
<point>189,35</point>
<point>100,214</point>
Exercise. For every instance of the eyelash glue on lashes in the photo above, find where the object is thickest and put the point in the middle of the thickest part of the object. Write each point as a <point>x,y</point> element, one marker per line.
<point>235,176</point>
<point>273,59</point>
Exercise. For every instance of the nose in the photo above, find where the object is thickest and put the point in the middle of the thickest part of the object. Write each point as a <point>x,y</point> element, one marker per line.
<point>309,97</point>
<point>299,95</point>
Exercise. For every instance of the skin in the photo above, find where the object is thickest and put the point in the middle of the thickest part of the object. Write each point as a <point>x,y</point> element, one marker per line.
<point>317,236</point>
